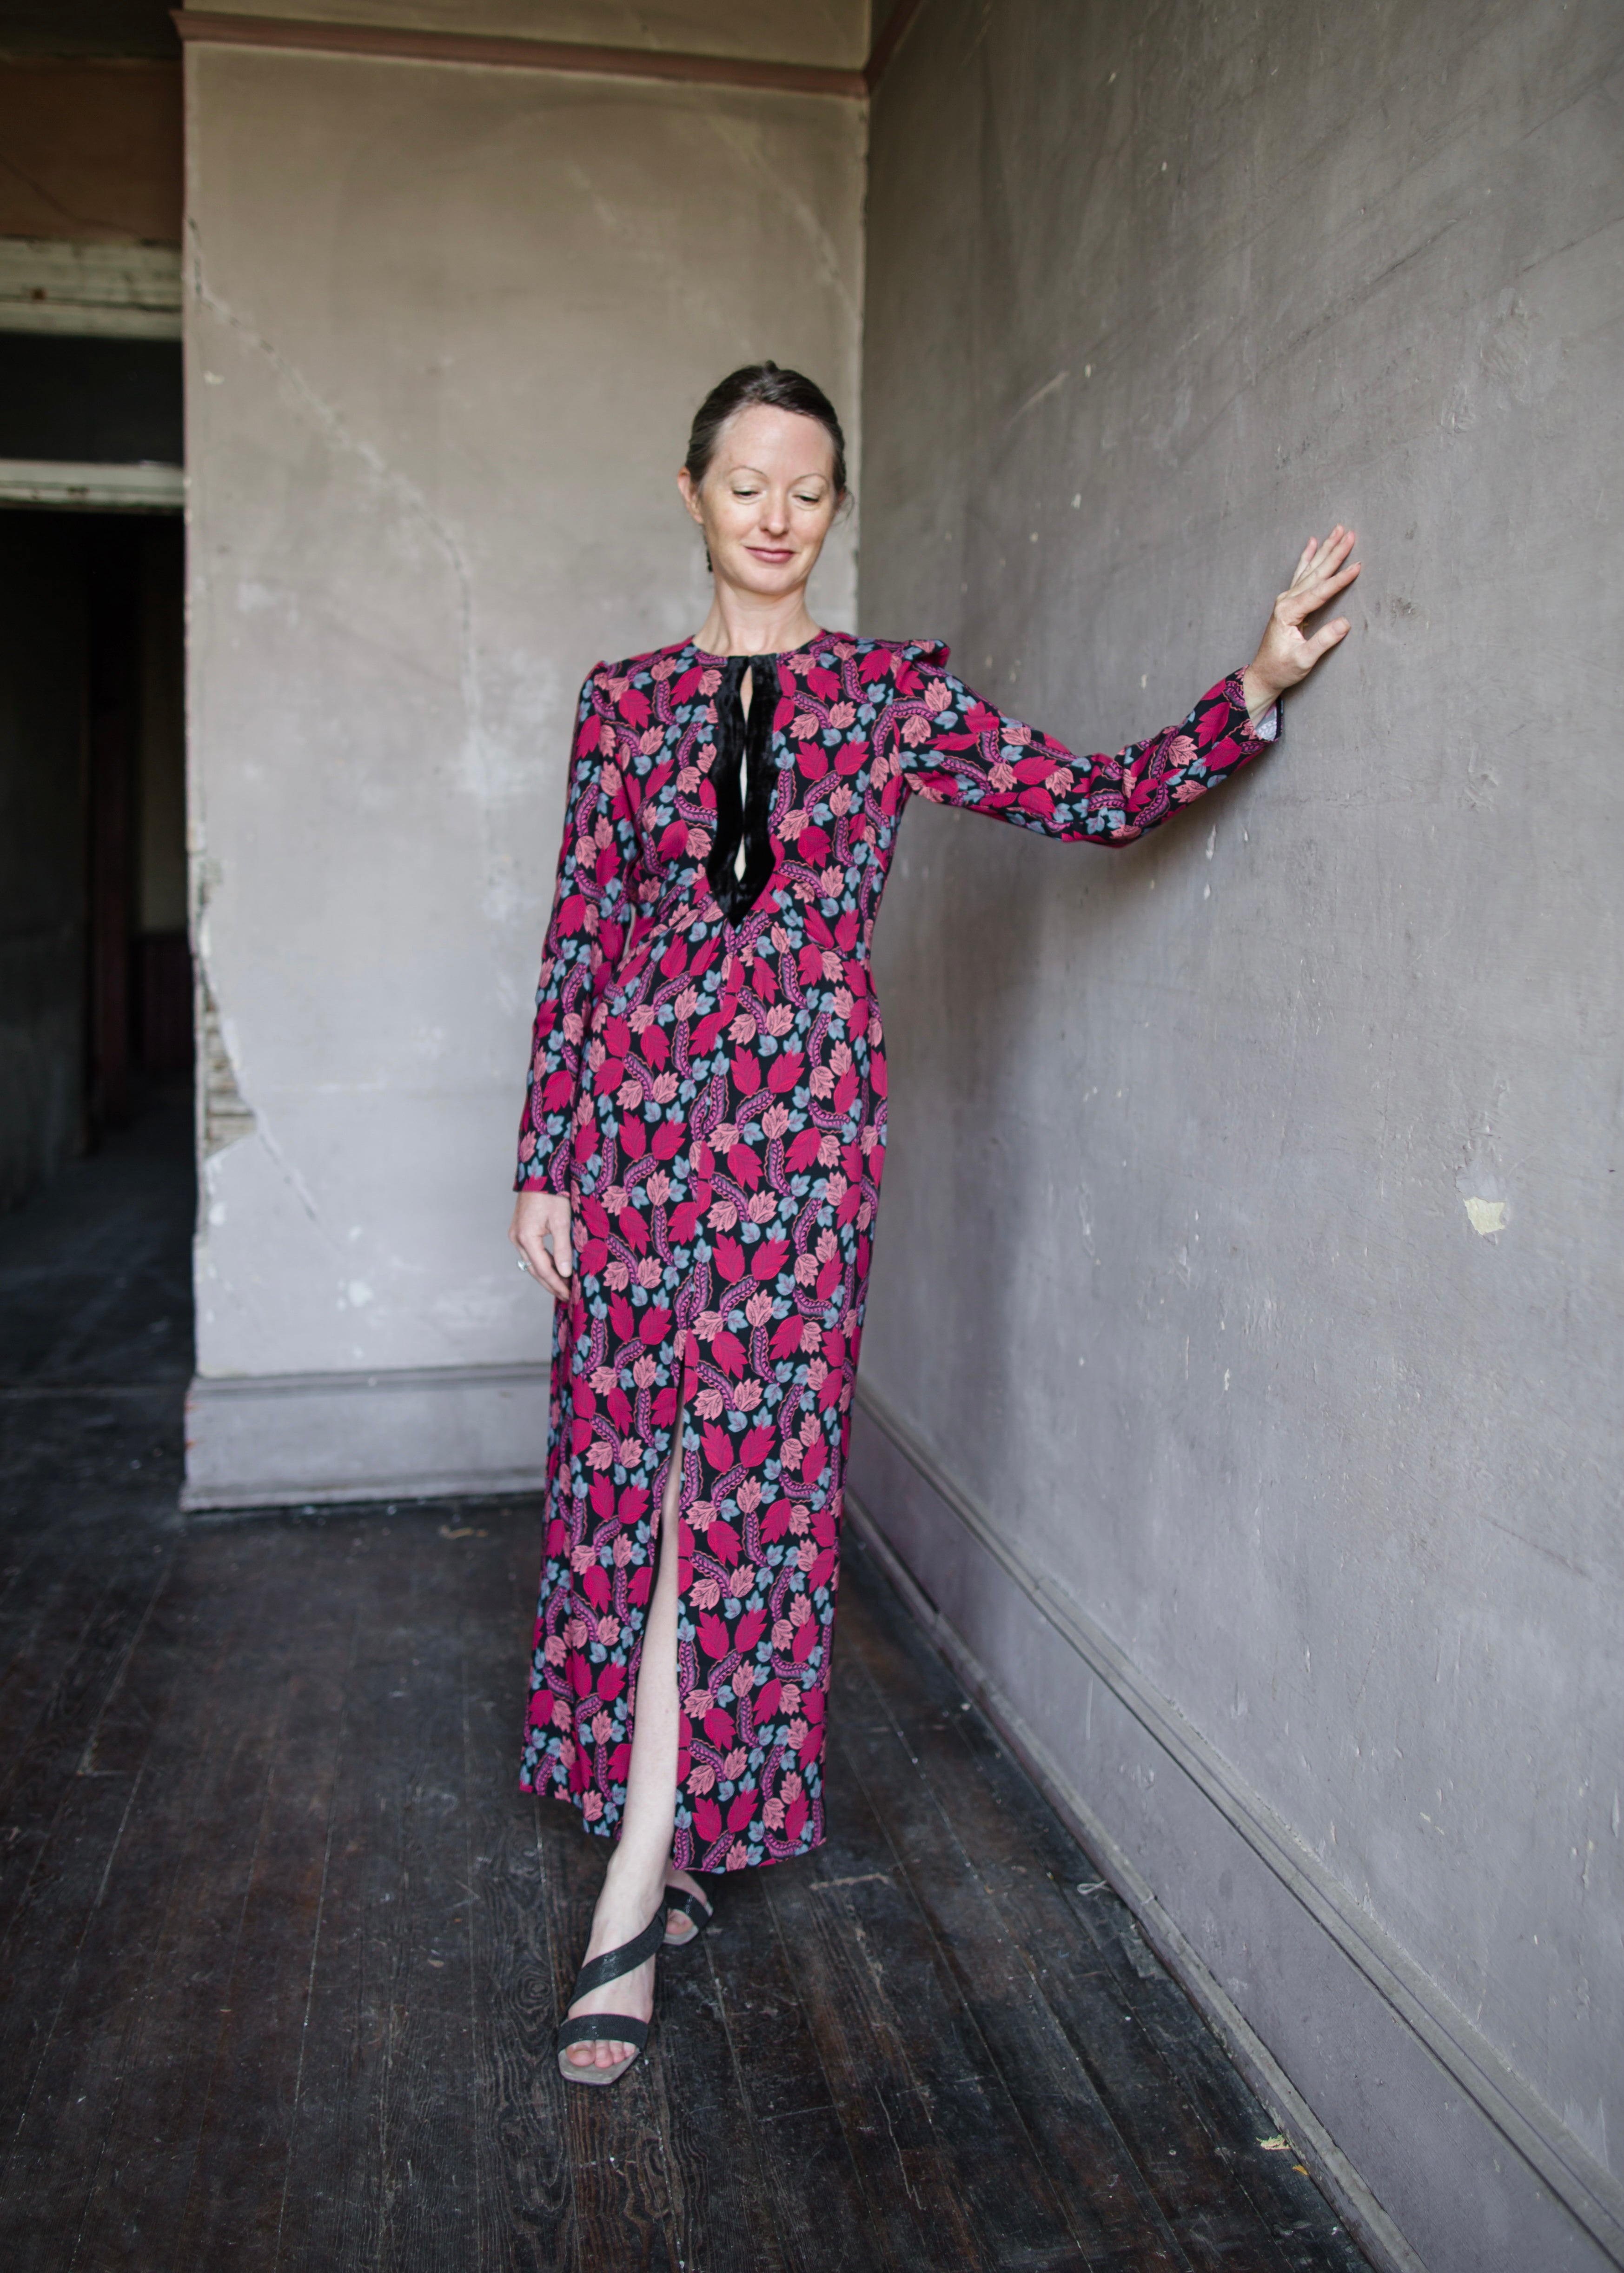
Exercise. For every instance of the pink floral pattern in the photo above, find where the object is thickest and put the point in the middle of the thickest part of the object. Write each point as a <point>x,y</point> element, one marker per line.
<point>712,1097</point>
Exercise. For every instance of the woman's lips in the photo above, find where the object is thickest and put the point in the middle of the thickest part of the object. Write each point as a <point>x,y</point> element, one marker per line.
<point>774,555</point>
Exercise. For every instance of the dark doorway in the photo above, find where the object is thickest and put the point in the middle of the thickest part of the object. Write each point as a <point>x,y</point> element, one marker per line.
<point>96,975</point>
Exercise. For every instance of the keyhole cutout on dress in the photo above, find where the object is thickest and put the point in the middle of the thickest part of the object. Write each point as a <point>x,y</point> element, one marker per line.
<point>747,687</point>
<point>741,857</point>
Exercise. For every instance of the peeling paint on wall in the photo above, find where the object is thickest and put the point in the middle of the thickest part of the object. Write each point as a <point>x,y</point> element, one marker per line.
<point>227,1117</point>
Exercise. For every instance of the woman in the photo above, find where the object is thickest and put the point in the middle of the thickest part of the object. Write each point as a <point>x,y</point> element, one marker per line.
<point>700,1155</point>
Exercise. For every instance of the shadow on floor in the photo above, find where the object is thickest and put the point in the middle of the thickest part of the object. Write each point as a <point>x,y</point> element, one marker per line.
<point>283,1945</point>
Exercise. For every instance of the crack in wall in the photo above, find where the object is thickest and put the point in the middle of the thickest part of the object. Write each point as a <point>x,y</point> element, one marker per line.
<point>226,1114</point>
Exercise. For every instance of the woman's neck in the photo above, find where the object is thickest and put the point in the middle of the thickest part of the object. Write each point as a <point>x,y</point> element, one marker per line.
<point>739,623</point>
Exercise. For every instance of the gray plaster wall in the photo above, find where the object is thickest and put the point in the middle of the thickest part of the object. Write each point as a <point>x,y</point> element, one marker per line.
<point>1243,1363</point>
<point>42,849</point>
<point>446,329</point>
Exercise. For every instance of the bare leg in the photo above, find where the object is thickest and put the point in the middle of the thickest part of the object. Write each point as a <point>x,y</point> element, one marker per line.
<point>640,1863</point>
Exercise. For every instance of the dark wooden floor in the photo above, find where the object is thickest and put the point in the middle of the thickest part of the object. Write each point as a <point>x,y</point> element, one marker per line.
<point>283,1945</point>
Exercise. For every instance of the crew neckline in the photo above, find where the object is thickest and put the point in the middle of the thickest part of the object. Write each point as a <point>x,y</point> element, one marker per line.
<point>706,656</point>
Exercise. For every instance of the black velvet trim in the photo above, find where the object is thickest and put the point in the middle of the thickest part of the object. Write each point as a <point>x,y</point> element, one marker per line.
<point>743,817</point>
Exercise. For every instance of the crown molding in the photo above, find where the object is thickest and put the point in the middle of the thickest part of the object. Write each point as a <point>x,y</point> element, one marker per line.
<point>204,28</point>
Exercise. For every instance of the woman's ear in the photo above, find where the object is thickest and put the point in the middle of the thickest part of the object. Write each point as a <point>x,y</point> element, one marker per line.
<point>690,495</point>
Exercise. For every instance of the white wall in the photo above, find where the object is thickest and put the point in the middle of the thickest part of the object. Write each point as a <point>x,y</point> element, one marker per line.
<point>446,330</point>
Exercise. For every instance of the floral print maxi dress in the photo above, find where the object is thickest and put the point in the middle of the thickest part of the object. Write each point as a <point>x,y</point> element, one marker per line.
<point>707,1086</point>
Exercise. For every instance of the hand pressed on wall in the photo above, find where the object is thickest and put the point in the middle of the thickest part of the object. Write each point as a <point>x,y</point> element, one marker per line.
<point>1285,656</point>
<point>537,1217</point>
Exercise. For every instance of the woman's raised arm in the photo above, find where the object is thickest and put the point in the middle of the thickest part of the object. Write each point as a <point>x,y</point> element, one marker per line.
<point>955,749</point>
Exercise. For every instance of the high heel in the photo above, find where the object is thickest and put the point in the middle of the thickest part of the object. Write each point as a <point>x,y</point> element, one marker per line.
<point>609,2028</point>
<point>689,1906</point>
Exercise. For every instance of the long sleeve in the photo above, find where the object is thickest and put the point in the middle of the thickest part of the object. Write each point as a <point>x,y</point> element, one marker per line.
<point>597,872</point>
<point>955,749</point>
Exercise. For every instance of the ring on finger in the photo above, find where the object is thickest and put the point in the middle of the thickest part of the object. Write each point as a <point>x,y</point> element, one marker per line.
<point>523,1266</point>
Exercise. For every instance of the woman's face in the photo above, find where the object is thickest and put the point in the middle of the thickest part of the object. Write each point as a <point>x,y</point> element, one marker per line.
<point>767,500</point>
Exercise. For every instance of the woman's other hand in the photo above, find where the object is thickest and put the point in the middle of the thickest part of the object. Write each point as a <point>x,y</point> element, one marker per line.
<point>1285,657</point>
<point>538,1217</point>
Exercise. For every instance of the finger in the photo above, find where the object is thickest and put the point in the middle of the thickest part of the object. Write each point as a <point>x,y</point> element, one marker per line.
<point>1327,557</point>
<point>558,1287</point>
<point>557,1264</point>
<point>1320,592</point>
<point>1331,636</point>
<point>540,1264</point>
<point>563,1251</point>
<point>1304,578</point>
<point>1326,574</point>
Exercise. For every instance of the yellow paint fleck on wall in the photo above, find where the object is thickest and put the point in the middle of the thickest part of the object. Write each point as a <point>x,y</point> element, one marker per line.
<point>1485,1216</point>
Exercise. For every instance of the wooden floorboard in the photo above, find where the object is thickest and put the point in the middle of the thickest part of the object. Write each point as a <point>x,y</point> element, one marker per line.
<point>56,2088</point>
<point>380,2157</point>
<point>1115,2217</point>
<point>90,1931</point>
<point>205,1826</point>
<point>282,1945</point>
<point>525,2194</point>
<point>73,1667</point>
<point>1302,2233</point>
<point>943,2150</point>
<point>814,2197</point>
<point>430,2171</point>
<point>726,2196</point>
<point>964,1845</point>
<point>234,2203</point>
<point>1193,2129</point>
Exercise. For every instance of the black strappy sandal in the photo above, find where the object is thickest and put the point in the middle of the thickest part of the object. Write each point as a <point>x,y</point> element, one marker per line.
<point>689,1906</point>
<point>609,2028</point>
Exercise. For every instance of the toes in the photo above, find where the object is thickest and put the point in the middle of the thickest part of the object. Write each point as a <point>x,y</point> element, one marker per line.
<point>597,2055</point>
